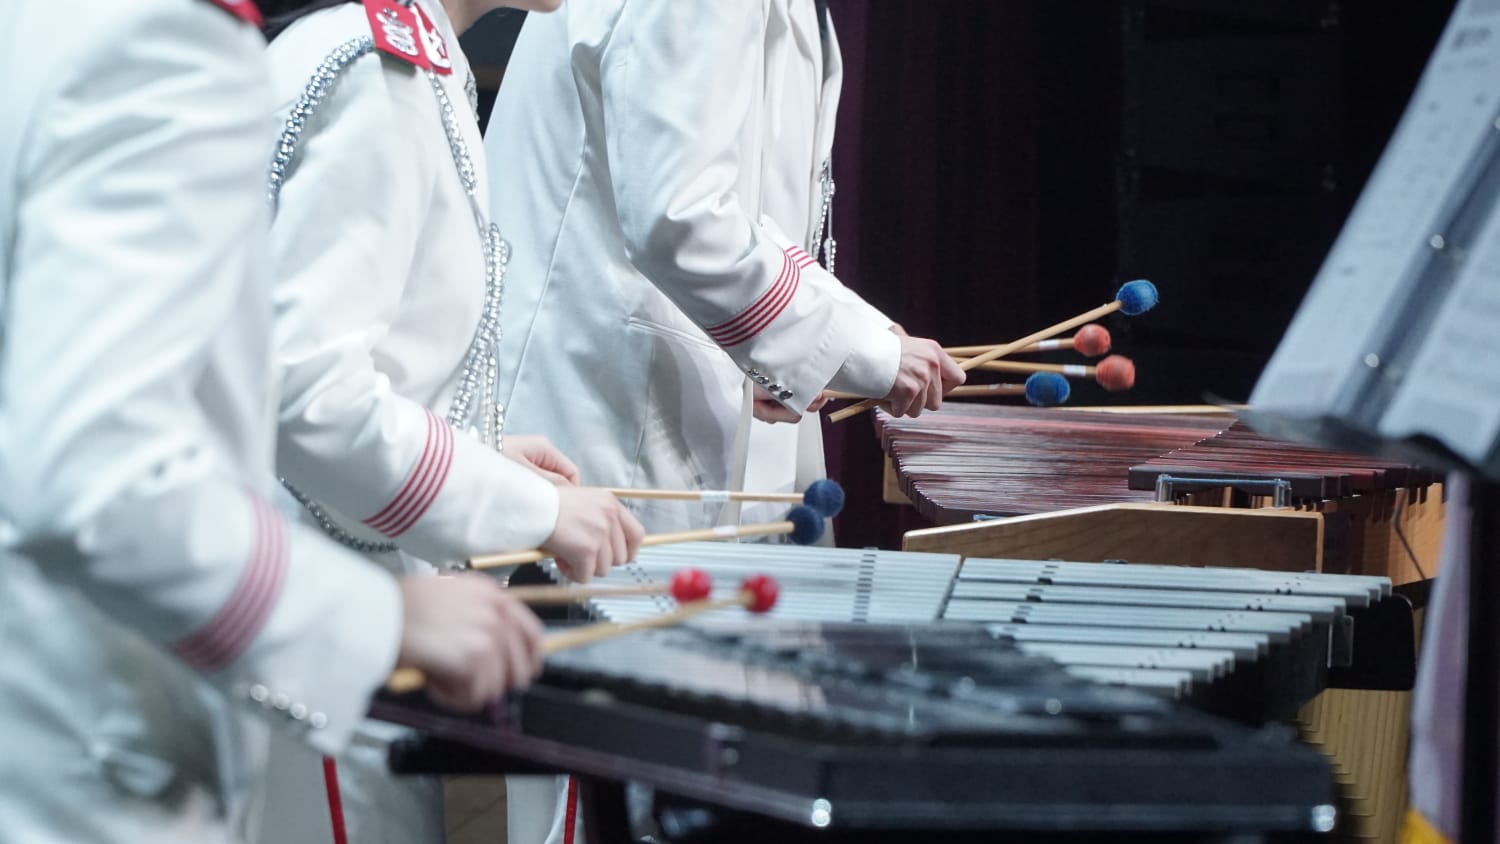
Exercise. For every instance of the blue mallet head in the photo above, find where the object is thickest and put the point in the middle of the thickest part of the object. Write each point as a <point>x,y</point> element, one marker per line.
<point>1137,297</point>
<point>824,496</point>
<point>807,525</point>
<point>1045,389</point>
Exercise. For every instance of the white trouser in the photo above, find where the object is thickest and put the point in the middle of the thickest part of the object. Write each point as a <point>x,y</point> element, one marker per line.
<point>378,806</point>
<point>536,811</point>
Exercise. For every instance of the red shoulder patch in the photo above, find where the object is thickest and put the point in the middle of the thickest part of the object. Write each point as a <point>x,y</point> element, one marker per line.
<point>433,43</point>
<point>245,10</point>
<point>406,33</point>
<point>395,29</point>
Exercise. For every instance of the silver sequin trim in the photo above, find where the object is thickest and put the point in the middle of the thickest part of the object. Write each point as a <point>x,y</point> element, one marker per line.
<point>824,232</point>
<point>480,372</point>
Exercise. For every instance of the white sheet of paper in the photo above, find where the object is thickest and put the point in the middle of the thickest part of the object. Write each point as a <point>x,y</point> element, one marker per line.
<point>1422,170</point>
<point>1452,387</point>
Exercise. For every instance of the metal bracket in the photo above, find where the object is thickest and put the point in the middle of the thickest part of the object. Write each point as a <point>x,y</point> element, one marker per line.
<point>721,748</point>
<point>1341,642</point>
<point>1167,486</point>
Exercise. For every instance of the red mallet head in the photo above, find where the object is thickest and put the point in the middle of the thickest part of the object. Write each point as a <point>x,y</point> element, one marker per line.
<point>1092,340</point>
<point>1115,373</point>
<point>762,591</point>
<point>690,585</point>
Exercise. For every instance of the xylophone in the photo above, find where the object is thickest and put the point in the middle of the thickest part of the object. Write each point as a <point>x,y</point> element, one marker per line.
<point>817,584</point>
<point>1252,644</point>
<point>1245,643</point>
<point>1356,641</point>
<point>795,731</point>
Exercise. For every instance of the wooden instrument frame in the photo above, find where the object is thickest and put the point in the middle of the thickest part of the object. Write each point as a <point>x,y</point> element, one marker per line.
<point>1366,534</point>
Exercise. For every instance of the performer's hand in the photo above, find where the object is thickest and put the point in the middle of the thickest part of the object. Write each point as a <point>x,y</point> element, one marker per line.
<point>926,374</point>
<point>471,640</point>
<point>594,533</point>
<point>767,409</point>
<point>538,454</point>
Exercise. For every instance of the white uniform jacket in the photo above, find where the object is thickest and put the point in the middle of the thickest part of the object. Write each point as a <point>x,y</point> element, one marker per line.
<point>662,164</point>
<point>136,428</point>
<point>380,287</point>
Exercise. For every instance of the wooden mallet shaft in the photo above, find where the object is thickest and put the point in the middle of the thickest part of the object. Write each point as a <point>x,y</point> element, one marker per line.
<point>1072,370</point>
<point>1060,344</point>
<point>711,496</point>
<point>516,558</point>
<point>981,390</point>
<point>1000,351</point>
<point>962,391</point>
<point>555,595</point>
<point>404,680</point>
<point>592,633</point>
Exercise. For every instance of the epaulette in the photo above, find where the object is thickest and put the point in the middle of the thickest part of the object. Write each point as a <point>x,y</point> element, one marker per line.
<point>408,34</point>
<point>245,10</point>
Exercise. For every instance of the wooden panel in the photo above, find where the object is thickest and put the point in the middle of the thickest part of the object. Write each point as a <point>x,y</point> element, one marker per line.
<point>890,487</point>
<point>474,809</point>
<point>1365,736</point>
<point>1394,533</point>
<point>1282,540</point>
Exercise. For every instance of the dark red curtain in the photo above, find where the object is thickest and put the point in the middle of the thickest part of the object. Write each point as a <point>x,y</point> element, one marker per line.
<point>989,157</point>
<point>936,210</point>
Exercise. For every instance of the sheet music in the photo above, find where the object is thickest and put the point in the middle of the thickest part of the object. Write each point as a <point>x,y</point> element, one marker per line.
<point>1387,237</point>
<point>1452,388</point>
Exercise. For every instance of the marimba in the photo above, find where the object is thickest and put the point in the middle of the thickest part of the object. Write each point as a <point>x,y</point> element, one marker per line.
<point>1295,472</point>
<point>793,731</point>
<point>973,459</point>
<point>1186,486</point>
<point>1190,487</point>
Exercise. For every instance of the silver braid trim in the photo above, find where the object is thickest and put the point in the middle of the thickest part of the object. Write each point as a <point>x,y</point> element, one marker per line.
<point>481,366</point>
<point>332,528</point>
<point>823,236</point>
<point>312,97</point>
<point>480,373</point>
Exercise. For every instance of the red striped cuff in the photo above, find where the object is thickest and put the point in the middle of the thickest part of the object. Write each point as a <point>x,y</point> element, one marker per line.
<point>800,256</point>
<point>768,307</point>
<point>221,641</point>
<point>422,485</point>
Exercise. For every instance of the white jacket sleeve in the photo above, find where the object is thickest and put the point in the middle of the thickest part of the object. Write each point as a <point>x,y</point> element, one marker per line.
<point>140,215</point>
<point>343,241</point>
<point>680,109</point>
